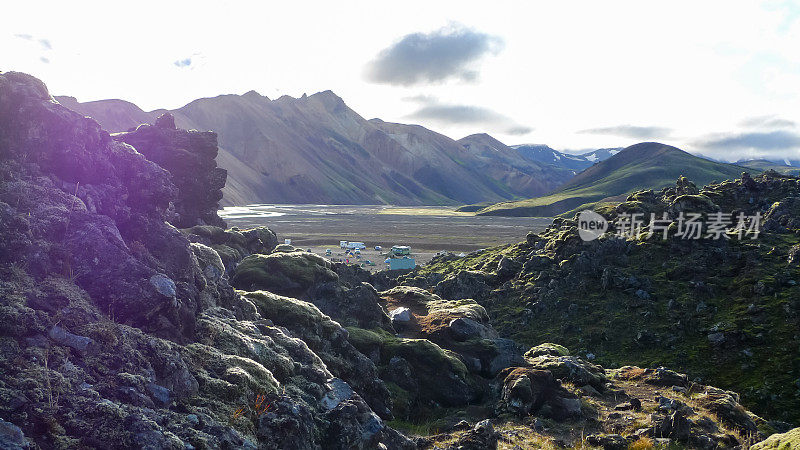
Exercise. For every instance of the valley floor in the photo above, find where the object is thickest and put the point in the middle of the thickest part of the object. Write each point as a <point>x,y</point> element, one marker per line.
<point>427,229</point>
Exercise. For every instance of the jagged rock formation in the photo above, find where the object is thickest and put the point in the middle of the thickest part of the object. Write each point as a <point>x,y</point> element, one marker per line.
<point>190,157</point>
<point>121,333</point>
<point>79,204</point>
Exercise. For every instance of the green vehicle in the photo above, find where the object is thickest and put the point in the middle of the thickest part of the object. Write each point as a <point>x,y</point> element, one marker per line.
<point>401,250</point>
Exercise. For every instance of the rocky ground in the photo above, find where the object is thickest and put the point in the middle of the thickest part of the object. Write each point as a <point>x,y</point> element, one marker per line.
<point>726,311</point>
<point>134,319</point>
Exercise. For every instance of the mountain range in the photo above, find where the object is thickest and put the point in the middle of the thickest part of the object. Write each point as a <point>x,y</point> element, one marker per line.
<point>578,162</point>
<point>648,165</point>
<point>792,168</point>
<point>315,149</point>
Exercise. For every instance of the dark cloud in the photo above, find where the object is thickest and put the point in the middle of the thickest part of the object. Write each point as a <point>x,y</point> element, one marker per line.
<point>183,62</point>
<point>631,131</point>
<point>519,130</point>
<point>448,53</point>
<point>768,122</point>
<point>763,141</point>
<point>431,110</point>
<point>463,114</point>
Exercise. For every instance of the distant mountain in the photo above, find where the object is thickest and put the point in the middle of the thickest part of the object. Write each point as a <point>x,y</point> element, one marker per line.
<point>648,165</point>
<point>506,164</point>
<point>116,115</point>
<point>315,149</point>
<point>601,154</point>
<point>763,165</point>
<point>545,155</point>
<point>779,162</point>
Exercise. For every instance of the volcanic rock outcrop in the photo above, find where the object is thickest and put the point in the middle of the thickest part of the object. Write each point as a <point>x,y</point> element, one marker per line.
<point>189,156</point>
<point>121,333</point>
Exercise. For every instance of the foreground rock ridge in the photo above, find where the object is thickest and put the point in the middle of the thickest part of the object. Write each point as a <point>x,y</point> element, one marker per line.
<point>122,331</point>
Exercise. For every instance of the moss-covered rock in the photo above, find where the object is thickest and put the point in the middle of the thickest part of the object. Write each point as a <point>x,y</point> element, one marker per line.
<point>783,441</point>
<point>233,244</point>
<point>282,273</point>
<point>436,311</point>
<point>423,370</point>
<point>570,368</point>
<point>528,391</point>
<point>547,349</point>
<point>329,341</point>
<point>715,309</point>
<point>783,216</point>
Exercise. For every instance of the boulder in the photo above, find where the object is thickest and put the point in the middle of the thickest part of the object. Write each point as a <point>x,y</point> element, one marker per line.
<point>725,405</point>
<point>685,187</point>
<point>481,437</point>
<point>423,370</point>
<point>439,312</point>
<point>547,349</point>
<point>659,376</point>
<point>674,426</point>
<point>464,284</point>
<point>572,369</point>
<point>783,216</point>
<point>11,437</point>
<point>608,441</point>
<point>329,341</point>
<point>464,328</point>
<point>698,203</point>
<point>351,305</point>
<point>400,315</point>
<point>339,392</point>
<point>64,337</point>
<point>527,391</point>
<point>282,273</point>
<point>233,244</point>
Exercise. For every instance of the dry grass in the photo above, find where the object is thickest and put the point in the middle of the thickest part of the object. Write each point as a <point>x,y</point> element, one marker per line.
<point>643,443</point>
<point>52,401</point>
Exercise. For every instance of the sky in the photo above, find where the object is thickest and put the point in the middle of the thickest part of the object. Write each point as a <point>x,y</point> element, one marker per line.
<point>718,78</point>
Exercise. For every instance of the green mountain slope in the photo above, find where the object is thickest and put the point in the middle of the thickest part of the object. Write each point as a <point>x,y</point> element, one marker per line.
<point>648,165</point>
